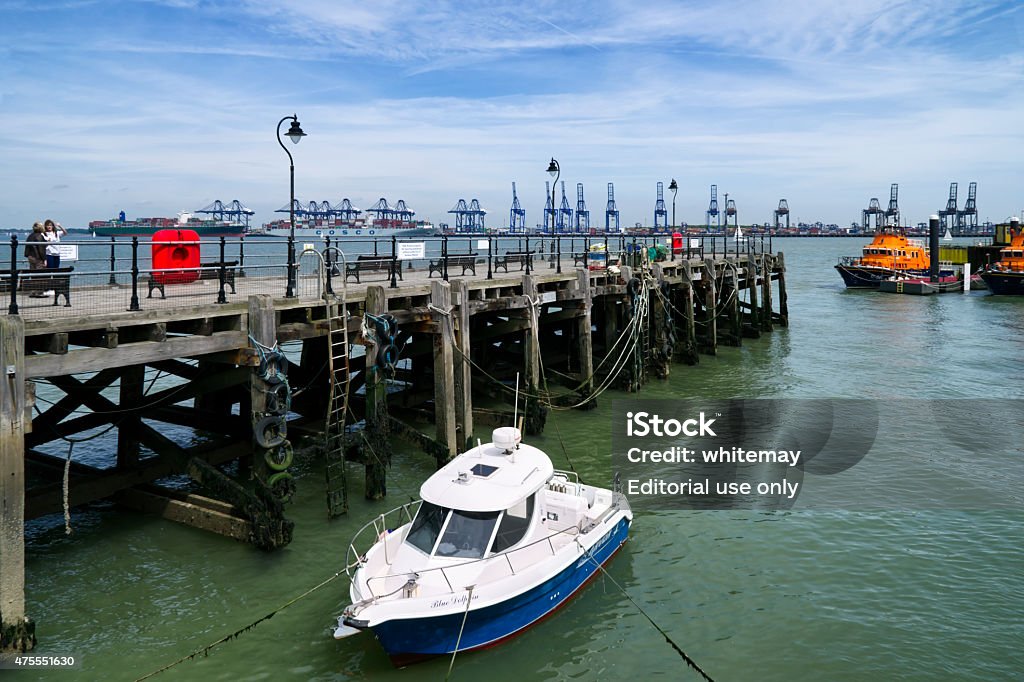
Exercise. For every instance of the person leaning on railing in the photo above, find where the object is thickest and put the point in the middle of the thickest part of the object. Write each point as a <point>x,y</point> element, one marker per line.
<point>35,252</point>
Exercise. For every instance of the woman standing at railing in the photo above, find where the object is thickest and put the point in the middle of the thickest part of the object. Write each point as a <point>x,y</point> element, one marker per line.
<point>52,234</point>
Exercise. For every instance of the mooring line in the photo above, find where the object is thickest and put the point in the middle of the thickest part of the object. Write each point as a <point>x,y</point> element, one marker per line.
<point>682,654</point>
<point>205,651</point>
<point>465,615</point>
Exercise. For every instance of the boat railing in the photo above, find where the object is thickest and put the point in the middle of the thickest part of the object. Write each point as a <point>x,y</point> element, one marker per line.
<point>381,526</point>
<point>849,260</point>
<point>571,478</point>
<point>444,571</point>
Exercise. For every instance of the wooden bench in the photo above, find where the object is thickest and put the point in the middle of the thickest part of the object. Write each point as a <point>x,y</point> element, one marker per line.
<point>368,263</point>
<point>521,257</point>
<point>57,280</point>
<point>467,261</point>
<point>208,271</point>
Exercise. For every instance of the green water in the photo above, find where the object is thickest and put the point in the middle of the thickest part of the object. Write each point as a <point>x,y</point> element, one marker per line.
<point>908,592</point>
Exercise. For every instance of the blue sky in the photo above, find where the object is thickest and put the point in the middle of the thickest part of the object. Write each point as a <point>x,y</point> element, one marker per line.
<point>153,107</point>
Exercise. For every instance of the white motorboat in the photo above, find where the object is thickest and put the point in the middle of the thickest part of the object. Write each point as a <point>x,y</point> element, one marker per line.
<point>499,540</point>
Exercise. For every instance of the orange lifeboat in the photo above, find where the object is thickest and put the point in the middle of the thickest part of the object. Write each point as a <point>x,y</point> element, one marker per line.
<point>890,254</point>
<point>1006,276</point>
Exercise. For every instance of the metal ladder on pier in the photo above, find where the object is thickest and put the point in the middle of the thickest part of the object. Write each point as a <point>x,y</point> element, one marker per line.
<point>337,408</point>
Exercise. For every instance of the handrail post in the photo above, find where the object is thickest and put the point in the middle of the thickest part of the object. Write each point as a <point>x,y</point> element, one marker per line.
<point>241,256</point>
<point>558,252</point>
<point>528,258</point>
<point>444,257</point>
<point>394,262</point>
<point>113,277</point>
<point>586,252</point>
<point>222,274</point>
<point>13,307</point>
<point>490,257</point>
<point>134,304</point>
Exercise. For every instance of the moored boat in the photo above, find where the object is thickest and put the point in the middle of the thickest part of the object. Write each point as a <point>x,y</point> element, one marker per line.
<point>1006,276</point>
<point>890,254</point>
<point>500,540</point>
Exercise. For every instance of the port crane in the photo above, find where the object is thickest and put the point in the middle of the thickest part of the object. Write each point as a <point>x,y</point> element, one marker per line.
<point>659,208</point>
<point>892,213</point>
<point>611,213</point>
<point>967,219</point>
<point>516,216</point>
<point>713,208</point>
<point>874,209</point>
<point>234,212</point>
<point>582,214</point>
<point>782,210</point>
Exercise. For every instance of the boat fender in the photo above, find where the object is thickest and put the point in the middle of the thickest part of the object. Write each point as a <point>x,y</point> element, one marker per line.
<point>282,485</point>
<point>271,431</point>
<point>278,399</point>
<point>633,286</point>
<point>276,361</point>
<point>280,458</point>
<point>387,356</point>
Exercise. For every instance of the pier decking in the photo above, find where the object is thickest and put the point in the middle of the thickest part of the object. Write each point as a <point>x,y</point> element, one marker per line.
<point>428,347</point>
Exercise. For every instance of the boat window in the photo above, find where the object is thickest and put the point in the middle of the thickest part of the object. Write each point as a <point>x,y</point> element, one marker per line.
<point>514,525</point>
<point>467,534</point>
<point>426,527</point>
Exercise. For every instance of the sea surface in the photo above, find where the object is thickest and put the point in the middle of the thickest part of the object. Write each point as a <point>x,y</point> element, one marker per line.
<point>904,578</point>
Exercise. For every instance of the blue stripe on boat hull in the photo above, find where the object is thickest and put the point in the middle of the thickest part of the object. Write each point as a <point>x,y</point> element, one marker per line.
<point>410,639</point>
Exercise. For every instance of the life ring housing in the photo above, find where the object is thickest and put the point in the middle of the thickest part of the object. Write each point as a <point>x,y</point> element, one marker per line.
<point>677,242</point>
<point>172,253</point>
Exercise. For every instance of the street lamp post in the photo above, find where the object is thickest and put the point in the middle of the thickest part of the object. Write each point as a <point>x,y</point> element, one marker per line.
<point>555,172</point>
<point>675,188</point>
<point>296,134</point>
<point>672,244</point>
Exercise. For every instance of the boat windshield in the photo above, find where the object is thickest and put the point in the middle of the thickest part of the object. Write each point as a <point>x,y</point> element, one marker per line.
<point>426,527</point>
<point>467,534</point>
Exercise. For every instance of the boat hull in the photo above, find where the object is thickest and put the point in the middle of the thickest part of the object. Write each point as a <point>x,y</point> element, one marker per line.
<point>868,277</point>
<point>1004,283</point>
<point>409,640</point>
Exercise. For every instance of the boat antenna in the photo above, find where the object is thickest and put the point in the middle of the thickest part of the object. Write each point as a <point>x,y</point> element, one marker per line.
<point>515,409</point>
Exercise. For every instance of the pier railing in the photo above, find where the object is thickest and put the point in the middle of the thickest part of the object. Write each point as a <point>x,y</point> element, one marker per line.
<point>116,275</point>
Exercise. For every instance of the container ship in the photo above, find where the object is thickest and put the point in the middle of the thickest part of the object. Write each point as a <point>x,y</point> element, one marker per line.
<point>320,228</point>
<point>145,227</point>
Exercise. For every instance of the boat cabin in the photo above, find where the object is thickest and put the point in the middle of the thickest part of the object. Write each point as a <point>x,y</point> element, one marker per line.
<point>482,502</point>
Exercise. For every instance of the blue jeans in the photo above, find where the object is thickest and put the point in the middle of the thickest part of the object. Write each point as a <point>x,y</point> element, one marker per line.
<point>53,261</point>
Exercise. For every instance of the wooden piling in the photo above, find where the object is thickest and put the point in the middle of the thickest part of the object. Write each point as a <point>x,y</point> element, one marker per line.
<point>752,328</point>
<point>131,393</point>
<point>463,375</point>
<point>658,358</point>
<point>780,268</point>
<point>444,360</point>
<point>535,414</point>
<point>688,324</point>
<point>584,335</point>
<point>17,632</point>
<point>731,305</point>
<point>710,308</point>
<point>376,444</point>
<point>766,293</point>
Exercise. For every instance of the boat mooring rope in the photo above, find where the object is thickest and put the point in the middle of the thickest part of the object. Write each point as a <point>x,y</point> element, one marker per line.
<point>682,654</point>
<point>205,651</point>
<point>465,615</point>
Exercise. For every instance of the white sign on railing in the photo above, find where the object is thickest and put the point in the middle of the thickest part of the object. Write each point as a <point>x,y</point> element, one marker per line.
<point>412,250</point>
<point>481,243</point>
<point>68,251</point>
<point>694,243</point>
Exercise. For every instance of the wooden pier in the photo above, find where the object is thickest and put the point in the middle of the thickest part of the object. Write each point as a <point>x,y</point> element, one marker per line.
<point>429,349</point>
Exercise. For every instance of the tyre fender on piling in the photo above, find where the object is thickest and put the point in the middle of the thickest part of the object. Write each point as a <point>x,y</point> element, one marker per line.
<point>278,399</point>
<point>280,458</point>
<point>271,431</point>
<point>276,361</point>
<point>633,286</point>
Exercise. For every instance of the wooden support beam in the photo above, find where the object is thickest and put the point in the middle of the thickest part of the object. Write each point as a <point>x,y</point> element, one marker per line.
<point>96,359</point>
<point>133,380</point>
<point>17,632</point>
<point>193,510</point>
<point>444,358</point>
<point>535,415</point>
<point>463,374</point>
